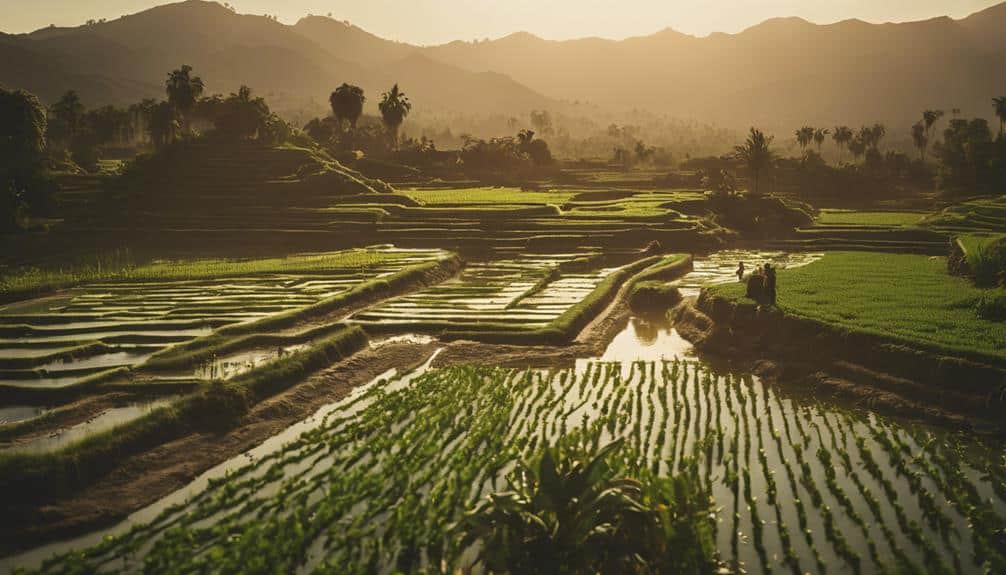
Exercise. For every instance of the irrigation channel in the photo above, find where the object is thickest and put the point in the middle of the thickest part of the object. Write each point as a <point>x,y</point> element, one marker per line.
<point>371,483</point>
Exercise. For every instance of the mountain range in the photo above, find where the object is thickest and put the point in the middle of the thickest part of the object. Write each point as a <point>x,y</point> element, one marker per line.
<point>779,74</point>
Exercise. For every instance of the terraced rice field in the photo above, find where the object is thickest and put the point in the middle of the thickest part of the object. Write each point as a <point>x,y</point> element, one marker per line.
<point>59,341</point>
<point>528,291</point>
<point>373,483</point>
<point>983,215</point>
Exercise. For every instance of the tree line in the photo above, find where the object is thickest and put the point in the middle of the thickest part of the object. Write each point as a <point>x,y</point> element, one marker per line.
<point>37,141</point>
<point>342,133</point>
<point>969,159</point>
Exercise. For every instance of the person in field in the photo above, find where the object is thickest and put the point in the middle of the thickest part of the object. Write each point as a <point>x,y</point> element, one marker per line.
<point>740,271</point>
<point>754,286</point>
<point>769,287</point>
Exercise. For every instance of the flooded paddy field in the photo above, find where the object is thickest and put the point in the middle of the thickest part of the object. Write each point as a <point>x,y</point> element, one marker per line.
<point>58,341</point>
<point>373,483</point>
<point>103,421</point>
<point>529,290</point>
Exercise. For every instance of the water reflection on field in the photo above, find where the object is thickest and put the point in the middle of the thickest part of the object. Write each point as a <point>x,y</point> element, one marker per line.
<point>721,267</point>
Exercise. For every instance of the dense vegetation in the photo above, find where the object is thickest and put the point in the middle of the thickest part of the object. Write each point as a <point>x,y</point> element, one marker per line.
<point>24,183</point>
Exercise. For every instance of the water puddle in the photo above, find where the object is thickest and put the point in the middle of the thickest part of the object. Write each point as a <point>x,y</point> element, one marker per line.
<point>104,421</point>
<point>236,364</point>
<point>17,413</point>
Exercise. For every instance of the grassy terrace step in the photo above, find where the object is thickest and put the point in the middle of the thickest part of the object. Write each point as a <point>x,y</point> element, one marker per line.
<point>904,300</point>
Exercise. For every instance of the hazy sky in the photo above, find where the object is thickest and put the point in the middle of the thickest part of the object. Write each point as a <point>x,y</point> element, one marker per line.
<point>438,21</point>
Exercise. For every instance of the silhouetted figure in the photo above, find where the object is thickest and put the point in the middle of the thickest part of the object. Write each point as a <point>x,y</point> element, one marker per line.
<point>769,287</point>
<point>755,287</point>
<point>740,271</point>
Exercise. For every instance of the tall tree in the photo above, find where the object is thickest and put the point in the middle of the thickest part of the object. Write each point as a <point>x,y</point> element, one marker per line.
<point>877,133</point>
<point>920,139</point>
<point>804,136</point>
<point>757,155</point>
<point>842,136</point>
<point>394,107</point>
<point>819,135</point>
<point>929,118</point>
<point>67,117</point>
<point>859,144</point>
<point>183,91</point>
<point>22,155</point>
<point>1000,107</point>
<point>347,103</point>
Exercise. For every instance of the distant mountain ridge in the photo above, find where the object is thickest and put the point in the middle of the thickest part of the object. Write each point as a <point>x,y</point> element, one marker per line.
<point>780,73</point>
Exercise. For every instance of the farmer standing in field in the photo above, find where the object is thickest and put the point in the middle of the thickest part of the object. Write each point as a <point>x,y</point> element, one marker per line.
<point>769,287</point>
<point>740,272</point>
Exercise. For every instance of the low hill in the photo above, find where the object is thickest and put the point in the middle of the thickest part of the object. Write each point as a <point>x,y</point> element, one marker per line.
<point>127,59</point>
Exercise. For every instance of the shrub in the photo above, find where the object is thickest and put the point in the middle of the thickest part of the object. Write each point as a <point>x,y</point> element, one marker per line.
<point>570,512</point>
<point>991,306</point>
<point>987,261</point>
<point>653,296</point>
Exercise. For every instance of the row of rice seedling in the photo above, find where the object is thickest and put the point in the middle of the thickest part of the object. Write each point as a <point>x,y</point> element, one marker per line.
<point>56,341</point>
<point>376,484</point>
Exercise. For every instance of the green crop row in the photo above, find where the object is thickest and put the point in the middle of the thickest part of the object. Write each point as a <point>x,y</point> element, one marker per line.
<point>379,482</point>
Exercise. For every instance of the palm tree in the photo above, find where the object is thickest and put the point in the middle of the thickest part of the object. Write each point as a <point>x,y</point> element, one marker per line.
<point>877,133</point>
<point>859,144</point>
<point>394,107</point>
<point>183,91</point>
<point>920,139</point>
<point>757,155</point>
<point>804,136</point>
<point>1000,106</point>
<point>842,136</point>
<point>819,135</point>
<point>929,117</point>
<point>347,104</point>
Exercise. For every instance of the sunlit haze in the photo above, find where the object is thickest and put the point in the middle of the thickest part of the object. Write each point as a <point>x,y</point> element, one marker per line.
<point>439,21</point>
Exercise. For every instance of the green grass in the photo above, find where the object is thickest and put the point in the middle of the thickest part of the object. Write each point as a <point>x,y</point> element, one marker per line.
<point>487,195</point>
<point>980,215</point>
<point>23,283</point>
<point>911,298</point>
<point>856,218</point>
